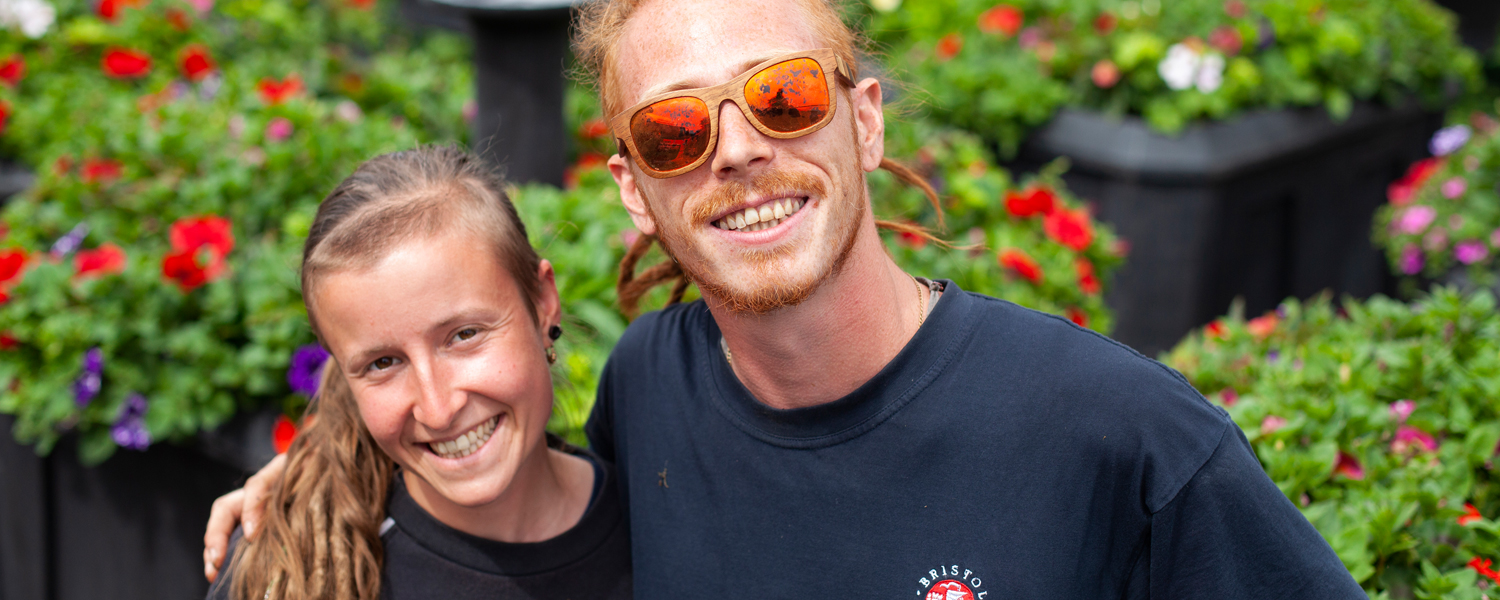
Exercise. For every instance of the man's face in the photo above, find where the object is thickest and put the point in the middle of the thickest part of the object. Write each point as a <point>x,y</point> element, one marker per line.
<point>817,180</point>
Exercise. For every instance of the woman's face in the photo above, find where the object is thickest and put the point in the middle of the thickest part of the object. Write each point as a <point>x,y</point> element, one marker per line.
<point>446,364</point>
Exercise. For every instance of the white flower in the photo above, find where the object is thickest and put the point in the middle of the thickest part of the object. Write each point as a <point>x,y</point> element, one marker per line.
<point>32,17</point>
<point>1210,73</point>
<point>1180,67</point>
<point>348,111</point>
<point>885,5</point>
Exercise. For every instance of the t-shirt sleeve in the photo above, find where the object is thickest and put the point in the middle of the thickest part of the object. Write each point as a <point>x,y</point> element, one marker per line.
<point>600,426</point>
<point>1230,533</point>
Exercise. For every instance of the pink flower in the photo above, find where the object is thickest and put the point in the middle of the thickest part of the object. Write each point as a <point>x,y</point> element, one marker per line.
<point>1401,409</point>
<point>1270,424</point>
<point>1435,240</point>
<point>1348,466</point>
<point>1470,252</point>
<point>1455,187</point>
<point>1229,396</point>
<point>202,6</point>
<point>278,129</point>
<point>1031,37</point>
<point>1415,219</point>
<point>1411,260</point>
<point>1410,438</point>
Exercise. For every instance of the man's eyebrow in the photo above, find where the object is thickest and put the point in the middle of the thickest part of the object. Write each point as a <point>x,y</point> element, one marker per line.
<point>689,85</point>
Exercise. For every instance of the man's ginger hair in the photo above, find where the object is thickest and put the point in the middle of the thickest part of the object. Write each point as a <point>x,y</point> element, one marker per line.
<point>596,46</point>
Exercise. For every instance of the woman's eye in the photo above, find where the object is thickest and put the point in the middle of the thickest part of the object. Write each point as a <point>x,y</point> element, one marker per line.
<point>383,363</point>
<point>466,333</point>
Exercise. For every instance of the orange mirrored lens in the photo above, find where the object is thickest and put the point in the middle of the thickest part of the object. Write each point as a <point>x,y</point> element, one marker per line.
<point>671,134</point>
<point>789,96</point>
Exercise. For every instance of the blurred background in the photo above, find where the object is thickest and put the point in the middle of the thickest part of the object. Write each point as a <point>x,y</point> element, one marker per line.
<point>1293,202</point>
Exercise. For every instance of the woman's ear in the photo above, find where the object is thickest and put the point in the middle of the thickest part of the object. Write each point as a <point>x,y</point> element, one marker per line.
<point>549,304</point>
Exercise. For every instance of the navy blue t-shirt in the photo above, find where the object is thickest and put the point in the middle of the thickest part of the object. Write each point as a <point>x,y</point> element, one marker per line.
<point>1004,453</point>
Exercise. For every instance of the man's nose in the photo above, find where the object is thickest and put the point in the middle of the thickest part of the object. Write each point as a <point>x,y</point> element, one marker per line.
<point>741,145</point>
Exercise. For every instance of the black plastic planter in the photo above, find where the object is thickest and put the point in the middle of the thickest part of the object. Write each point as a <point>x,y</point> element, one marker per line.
<point>130,528</point>
<point>1268,205</point>
<point>520,55</point>
<point>1477,21</point>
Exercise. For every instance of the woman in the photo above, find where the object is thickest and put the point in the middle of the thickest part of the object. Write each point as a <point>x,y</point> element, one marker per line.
<point>424,468</point>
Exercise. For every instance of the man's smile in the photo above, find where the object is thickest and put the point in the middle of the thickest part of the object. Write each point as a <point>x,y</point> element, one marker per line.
<point>763,215</point>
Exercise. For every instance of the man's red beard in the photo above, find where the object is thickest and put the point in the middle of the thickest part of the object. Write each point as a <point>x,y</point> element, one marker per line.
<point>774,292</point>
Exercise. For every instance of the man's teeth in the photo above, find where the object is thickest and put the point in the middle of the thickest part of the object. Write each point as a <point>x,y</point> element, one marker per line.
<point>468,443</point>
<point>765,216</point>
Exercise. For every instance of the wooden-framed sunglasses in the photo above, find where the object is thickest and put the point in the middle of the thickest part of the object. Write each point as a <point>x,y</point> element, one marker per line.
<point>785,97</point>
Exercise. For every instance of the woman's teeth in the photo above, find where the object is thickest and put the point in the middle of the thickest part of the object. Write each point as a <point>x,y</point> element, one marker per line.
<point>468,443</point>
<point>765,216</point>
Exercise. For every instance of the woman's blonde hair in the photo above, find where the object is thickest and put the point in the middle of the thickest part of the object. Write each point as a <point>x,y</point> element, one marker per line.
<point>320,537</point>
<point>596,46</point>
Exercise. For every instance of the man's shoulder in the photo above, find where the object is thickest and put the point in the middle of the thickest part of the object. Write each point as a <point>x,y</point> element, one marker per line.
<point>653,339</point>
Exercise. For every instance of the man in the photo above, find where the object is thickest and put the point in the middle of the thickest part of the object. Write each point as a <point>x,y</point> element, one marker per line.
<point>824,424</point>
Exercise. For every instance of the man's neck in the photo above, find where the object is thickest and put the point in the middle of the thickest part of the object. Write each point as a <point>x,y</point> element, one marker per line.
<point>833,342</point>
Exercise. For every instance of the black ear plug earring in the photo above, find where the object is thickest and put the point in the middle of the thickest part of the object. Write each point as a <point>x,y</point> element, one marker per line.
<point>554,332</point>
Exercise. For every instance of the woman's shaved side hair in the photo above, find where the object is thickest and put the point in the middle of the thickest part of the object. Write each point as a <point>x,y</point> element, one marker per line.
<point>597,47</point>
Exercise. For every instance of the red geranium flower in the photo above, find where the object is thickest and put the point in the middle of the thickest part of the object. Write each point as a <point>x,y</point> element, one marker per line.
<point>1070,228</point>
<point>96,170</point>
<point>12,263</point>
<point>4,114</point>
<point>1086,279</point>
<point>1403,189</point>
<point>1021,264</point>
<point>1263,326</point>
<point>1348,466</point>
<point>1105,23</point>
<point>911,240</point>
<point>949,46</point>
<point>1078,316</point>
<point>1483,567</point>
<point>100,261</point>
<point>124,63</point>
<point>1035,201</point>
<point>1227,39</point>
<point>8,341</point>
<point>362,4</point>
<point>195,62</point>
<point>1215,330</point>
<point>1003,18</point>
<point>179,19</point>
<point>199,245</point>
<point>283,433</point>
<point>12,70</point>
<point>275,92</point>
<point>1470,515</point>
<point>1105,74</point>
<point>594,128</point>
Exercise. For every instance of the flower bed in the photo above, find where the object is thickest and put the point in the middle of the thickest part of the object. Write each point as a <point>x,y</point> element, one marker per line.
<point>181,148</point>
<point>1005,68</point>
<point>1378,420</point>
<point>1444,214</point>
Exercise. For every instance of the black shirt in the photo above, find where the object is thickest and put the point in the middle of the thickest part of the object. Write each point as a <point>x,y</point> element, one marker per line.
<point>1003,453</point>
<point>427,559</point>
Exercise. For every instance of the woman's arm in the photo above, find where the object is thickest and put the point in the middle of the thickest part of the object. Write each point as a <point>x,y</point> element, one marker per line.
<point>248,502</point>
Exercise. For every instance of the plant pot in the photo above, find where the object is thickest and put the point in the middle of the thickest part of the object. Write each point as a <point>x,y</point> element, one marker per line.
<point>1477,21</point>
<point>129,528</point>
<point>1271,204</point>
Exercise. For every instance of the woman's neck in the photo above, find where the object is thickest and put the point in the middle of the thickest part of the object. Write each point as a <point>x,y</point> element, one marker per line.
<point>547,497</point>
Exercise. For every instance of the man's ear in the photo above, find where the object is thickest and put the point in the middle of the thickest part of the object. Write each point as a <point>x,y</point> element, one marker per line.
<point>869,121</point>
<point>630,195</point>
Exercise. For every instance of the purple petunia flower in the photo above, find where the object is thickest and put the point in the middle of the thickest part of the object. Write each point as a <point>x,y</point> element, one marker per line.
<point>1272,356</point>
<point>1470,252</point>
<point>129,431</point>
<point>1411,260</point>
<point>1455,187</point>
<point>88,384</point>
<point>1449,139</point>
<point>1265,35</point>
<point>70,242</point>
<point>306,371</point>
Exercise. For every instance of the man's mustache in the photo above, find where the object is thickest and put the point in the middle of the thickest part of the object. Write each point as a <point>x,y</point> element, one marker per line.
<point>734,194</point>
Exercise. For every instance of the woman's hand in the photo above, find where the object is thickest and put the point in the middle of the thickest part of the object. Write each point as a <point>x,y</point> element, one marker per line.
<point>248,503</point>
